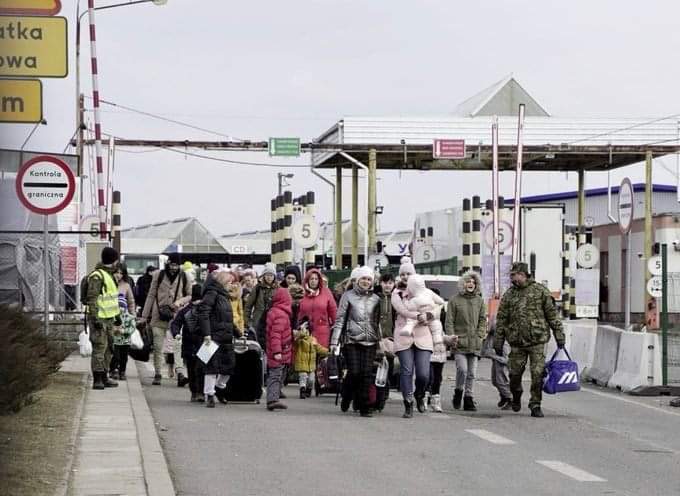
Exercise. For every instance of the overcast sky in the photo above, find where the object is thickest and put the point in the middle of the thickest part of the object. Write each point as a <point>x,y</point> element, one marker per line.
<point>259,69</point>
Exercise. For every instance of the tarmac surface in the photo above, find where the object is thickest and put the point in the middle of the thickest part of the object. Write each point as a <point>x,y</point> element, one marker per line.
<point>592,442</point>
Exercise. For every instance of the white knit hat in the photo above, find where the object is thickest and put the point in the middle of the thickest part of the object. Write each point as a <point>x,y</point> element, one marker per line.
<point>363,272</point>
<point>353,275</point>
<point>407,268</point>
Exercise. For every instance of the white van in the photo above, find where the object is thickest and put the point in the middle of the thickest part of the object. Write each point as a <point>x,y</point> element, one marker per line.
<point>446,285</point>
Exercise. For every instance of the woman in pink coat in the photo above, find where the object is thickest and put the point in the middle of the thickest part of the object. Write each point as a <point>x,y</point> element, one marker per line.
<point>413,349</point>
<point>279,346</point>
<point>318,305</point>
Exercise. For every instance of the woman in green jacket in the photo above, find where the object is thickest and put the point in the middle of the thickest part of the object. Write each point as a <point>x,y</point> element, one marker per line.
<point>466,319</point>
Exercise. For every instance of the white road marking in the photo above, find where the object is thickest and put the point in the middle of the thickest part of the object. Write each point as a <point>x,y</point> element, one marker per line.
<point>632,402</point>
<point>490,436</point>
<point>570,471</point>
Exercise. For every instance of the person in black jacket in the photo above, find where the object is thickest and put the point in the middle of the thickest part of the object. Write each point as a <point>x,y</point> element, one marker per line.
<point>142,288</point>
<point>186,323</point>
<point>217,325</point>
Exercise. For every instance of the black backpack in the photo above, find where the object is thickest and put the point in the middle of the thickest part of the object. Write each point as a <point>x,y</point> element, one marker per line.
<point>84,287</point>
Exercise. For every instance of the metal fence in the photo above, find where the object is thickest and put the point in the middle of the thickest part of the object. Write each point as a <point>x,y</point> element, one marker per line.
<point>674,357</point>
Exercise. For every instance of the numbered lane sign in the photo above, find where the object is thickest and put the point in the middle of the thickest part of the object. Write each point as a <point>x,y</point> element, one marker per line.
<point>654,265</point>
<point>424,254</point>
<point>504,236</point>
<point>654,287</point>
<point>305,231</point>
<point>587,256</point>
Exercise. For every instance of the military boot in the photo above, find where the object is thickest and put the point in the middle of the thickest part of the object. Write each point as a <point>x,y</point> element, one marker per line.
<point>516,401</point>
<point>457,398</point>
<point>469,404</point>
<point>97,382</point>
<point>536,411</point>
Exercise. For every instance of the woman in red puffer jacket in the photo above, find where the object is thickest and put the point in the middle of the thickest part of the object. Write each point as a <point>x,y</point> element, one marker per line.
<point>279,346</point>
<point>318,306</point>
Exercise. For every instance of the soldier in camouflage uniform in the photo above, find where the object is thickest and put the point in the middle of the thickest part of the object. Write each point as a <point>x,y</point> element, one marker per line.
<point>526,314</point>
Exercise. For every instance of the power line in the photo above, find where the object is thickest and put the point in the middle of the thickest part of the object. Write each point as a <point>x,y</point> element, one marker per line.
<point>166,119</point>
<point>613,131</point>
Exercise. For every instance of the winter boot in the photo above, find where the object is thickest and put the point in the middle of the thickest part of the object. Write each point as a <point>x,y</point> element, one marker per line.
<point>221,395</point>
<point>365,413</point>
<point>457,398</point>
<point>505,403</point>
<point>420,404</point>
<point>345,403</point>
<point>516,401</point>
<point>308,392</point>
<point>210,401</point>
<point>282,396</point>
<point>156,380</point>
<point>182,380</point>
<point>108,382</point>
<point>408,409</point>
<point>536,411</point>
<point>303,393</point>
<point>469,404</point>
<point>97,383</point>
<point>122,377</point>
<point>428,401</point>
<point>276,405</point>
<point>114,375</point>
<point>436,403</point>
<point>195,397</point>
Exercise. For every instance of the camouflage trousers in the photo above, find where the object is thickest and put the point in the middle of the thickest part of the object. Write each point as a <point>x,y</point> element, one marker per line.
<point>517,362</point>
<point>102,344</point>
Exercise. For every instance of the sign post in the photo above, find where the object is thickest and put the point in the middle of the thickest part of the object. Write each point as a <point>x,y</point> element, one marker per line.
<point>626,211</point>
<point>664,314</point>
<point>45,185</point>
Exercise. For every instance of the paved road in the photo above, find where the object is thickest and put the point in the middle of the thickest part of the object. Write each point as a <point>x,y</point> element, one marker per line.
<point>593,442</point>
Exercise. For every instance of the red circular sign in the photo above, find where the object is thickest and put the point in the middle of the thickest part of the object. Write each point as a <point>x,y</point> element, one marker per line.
<point>45,185</point>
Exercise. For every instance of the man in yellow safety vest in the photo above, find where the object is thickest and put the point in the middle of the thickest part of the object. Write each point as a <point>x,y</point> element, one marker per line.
<point>103,316</point>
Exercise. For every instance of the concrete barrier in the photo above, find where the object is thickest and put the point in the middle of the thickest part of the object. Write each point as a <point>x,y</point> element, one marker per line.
<point>638,362</point>
<point>605,355</point>
<point>582,345</point>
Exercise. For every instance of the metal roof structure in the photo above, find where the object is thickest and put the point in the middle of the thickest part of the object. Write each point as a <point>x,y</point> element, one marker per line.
<point>550,143</point>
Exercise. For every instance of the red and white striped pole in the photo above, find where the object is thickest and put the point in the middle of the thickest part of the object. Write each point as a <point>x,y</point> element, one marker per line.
<point>101,205</point>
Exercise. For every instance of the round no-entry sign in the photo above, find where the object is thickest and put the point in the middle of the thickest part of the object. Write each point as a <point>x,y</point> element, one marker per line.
<point>626,206</point>
<point>45,185</point>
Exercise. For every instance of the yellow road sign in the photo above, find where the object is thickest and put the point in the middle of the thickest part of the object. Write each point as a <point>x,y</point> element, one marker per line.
<point>20,100</point>
<point>30,7</point>
<point>33,46</point>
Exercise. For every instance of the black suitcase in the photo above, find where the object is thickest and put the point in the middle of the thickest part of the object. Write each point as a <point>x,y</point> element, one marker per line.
<point>329,376</point>
<point>245,385</point>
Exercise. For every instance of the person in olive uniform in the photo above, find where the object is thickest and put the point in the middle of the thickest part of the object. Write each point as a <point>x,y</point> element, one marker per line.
<point>103,316</point>
<point>525,316</point>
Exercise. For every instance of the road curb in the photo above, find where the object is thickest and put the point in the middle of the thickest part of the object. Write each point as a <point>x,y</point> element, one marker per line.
<point>156,472</point>
<point>63,487</point>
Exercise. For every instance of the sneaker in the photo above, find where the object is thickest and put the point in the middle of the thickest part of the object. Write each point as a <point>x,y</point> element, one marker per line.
<point>276,405</point>
<point>505,403</point>
<point>156,380</point>
<point>182,380</point>
<point>108,382</point>
<point>210,401</point>
<point>436,403</point>
<point>308,392</point>
<point>303,393</point>
<point>114,375</point>
<point>536,412</point>
<point>121,377</point>
<point>365,413</point>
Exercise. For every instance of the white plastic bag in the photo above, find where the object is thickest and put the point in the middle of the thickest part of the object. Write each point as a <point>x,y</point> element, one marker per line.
<point>136,341</point>
<point>84,344</point>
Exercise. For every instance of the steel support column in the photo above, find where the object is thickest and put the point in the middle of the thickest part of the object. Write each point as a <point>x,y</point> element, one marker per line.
<point>648,223</point>
<point>355,215</point>
<point>372,201</point>
<point>338,217</point>
<point>581,205</point>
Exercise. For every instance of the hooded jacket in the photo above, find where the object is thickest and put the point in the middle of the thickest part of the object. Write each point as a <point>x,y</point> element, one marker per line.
<point>320,309</point>
<point>215,319</point>
<point>307,348</point>
<point>421,337</point>
<point>358,319</point>
<point>466,316</point>
<point>279,332</point>
<point>258,302</point>
<point>236,306</point>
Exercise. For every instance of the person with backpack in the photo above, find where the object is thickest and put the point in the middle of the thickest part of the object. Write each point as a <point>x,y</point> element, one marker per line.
<point>258,303</point>
<point>358,326</point>
<point>217,326</point>
<point>186,324</point>
<point>170,290</point>
<point>103,314</point>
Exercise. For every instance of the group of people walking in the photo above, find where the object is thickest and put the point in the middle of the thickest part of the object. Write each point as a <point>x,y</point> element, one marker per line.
<point>297,321</point>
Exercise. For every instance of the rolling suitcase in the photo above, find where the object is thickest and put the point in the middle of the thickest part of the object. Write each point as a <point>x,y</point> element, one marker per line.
<point>328,376</point>
<point>245,385</point>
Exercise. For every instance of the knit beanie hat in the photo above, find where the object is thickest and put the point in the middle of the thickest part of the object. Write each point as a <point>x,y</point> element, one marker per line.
<point>174,258</point>
<point>407,268</point>
<point>109,256</point>
<point>295,270</point>
<point>212,267</point>
<point>364,272</point>
<point>269,268</point>
<point>353,276</point>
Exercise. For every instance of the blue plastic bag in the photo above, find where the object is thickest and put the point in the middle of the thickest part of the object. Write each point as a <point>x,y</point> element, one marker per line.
<point>561,376</point>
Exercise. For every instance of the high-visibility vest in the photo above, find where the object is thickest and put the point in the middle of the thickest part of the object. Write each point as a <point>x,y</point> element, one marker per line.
<point>107,301</point>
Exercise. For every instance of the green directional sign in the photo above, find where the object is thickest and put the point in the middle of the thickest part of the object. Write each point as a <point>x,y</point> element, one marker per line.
<point>284,147</point>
